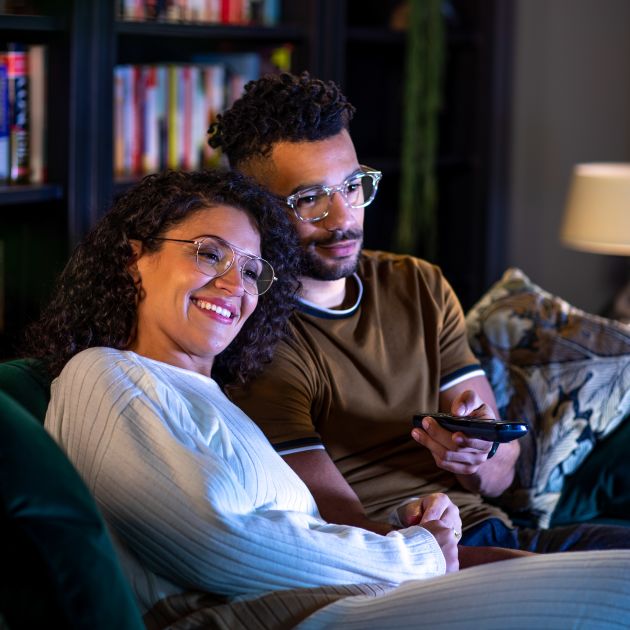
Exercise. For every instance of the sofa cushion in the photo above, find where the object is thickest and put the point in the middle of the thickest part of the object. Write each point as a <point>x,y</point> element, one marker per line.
<point>59,568</point>
<point>599,490</point>
<point>25,381</point>
<point>565,371</point>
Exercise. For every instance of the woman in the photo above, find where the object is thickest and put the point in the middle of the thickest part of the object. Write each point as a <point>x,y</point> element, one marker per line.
<point>190,277</point>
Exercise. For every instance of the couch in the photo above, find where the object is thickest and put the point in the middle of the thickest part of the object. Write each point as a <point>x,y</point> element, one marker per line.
<point>59,568</point>
<point>563,370</point>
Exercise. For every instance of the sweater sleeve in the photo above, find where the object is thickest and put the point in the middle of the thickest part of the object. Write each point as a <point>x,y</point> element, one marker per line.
<point>185,513</point>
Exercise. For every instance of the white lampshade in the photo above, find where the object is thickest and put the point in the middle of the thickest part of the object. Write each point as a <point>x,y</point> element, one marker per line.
<point>597,214</point>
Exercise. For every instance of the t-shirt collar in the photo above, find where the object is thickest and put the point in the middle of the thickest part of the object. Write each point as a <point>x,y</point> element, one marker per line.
<point>310,308</point>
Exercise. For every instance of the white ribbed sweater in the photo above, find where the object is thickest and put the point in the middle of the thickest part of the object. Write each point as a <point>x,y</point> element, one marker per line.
<point>195,495</point>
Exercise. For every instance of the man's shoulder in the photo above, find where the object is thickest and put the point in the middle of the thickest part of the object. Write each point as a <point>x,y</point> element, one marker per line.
<point>379,264</point>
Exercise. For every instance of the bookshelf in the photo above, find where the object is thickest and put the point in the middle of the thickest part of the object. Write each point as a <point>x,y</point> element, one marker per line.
<point>345,40</point>
<point>33,240</point>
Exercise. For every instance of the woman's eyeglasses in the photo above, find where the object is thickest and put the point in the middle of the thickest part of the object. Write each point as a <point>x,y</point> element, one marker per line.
<point>215,257</point>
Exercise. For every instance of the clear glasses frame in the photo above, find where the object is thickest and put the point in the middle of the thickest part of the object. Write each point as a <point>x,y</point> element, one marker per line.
<point>293,201</point>
<point>256,284</point>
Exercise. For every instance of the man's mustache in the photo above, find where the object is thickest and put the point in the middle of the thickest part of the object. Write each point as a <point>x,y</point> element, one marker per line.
<point>338,235</point>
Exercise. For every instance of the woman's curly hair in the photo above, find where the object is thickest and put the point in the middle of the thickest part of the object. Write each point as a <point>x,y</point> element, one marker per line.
<point>279,108</point>
<point>94,300</point>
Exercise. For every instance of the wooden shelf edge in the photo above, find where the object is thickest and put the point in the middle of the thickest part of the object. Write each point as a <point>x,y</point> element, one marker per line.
<point>12,195</point>
<point>41,23</point>
<point>210,31</point>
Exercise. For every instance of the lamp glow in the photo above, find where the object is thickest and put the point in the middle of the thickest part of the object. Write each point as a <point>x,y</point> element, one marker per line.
<point>597,213</point>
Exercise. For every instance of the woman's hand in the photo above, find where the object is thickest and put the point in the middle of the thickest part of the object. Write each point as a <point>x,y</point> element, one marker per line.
<point>445,537</point>
<point>432,507</point>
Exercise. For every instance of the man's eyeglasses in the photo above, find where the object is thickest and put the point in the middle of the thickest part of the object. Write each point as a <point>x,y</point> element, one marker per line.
<point>215,257</point>
<point>358,190</point>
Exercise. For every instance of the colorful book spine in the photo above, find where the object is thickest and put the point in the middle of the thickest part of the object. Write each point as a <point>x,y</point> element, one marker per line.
<point>37,109</point>
<point>265,12</point>
<point>5,127</point>
<point>162,112</point>
<point>119,121</point>
<point>172,159</point>
<point>151,135</point>
<point>215,103</point>
<point>137,108</point>
<point>17,60</point>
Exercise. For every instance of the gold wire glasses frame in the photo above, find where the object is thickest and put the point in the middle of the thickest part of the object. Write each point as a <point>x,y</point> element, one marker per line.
<point>313,204</point>
<point>215,256</point>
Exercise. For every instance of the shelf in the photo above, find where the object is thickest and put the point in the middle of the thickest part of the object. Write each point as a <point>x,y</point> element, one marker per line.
<point>210,31</point>
<point>40,23</point>
<point>13,195</point>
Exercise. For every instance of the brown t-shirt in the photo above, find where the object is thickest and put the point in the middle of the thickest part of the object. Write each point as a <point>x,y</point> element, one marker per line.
<point>351,381</point>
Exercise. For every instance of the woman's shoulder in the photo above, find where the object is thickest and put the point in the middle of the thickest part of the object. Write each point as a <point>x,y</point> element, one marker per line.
<point>100,368</point>
<point>90,360</point>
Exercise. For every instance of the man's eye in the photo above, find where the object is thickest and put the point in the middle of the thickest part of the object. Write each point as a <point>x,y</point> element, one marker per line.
<point>309,198</point>
<point>307,201</point>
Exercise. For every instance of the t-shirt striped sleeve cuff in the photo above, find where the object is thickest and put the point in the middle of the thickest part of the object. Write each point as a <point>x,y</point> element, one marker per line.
<point>463,374</point>
<point>298,446</point>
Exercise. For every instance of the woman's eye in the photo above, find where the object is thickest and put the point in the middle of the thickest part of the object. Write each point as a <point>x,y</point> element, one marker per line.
<point>250,274</point>
<point>208,256</point>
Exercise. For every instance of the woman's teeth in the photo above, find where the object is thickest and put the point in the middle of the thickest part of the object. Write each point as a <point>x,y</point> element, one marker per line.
<point>208,306</point>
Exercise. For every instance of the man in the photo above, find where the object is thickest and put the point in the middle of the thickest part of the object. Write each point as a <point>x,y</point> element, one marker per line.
<point>377,337</point>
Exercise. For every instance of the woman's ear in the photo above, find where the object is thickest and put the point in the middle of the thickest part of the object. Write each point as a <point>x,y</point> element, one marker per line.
<point>138,249</point>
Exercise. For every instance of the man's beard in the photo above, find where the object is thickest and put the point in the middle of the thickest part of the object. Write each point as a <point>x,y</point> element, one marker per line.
<point>318,268</point>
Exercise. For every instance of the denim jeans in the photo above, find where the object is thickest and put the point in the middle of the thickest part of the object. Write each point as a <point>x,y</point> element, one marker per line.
<point>580,537</point>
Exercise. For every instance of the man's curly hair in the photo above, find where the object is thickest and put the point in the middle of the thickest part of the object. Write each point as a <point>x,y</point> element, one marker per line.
<point>279,108</point>
<point>94,301</point>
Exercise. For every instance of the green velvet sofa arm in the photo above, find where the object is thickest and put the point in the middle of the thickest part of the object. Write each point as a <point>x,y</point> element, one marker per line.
<point>59,567</point>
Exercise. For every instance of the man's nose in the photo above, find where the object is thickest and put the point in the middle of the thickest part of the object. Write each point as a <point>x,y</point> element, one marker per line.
<point>340,214</point>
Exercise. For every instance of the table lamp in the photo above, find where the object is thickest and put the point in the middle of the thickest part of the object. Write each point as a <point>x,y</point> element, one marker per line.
<point>597,216</point>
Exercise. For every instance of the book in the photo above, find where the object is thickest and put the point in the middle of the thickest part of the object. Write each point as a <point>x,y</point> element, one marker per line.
<point>151,124</point>
<point>37,112</point>
<point>162,112</point>
<point>119,120</point>
<point>173,118</point>
<point>17,60</point>
<point>5,115</point>
<point>263,12</point>
<point>214,104</point>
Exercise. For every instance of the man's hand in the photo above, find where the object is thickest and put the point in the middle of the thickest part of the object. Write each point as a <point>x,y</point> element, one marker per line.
<point>466,457</point>
<point>447,540</point>
<point>432,507</point>
<point>455,452</point>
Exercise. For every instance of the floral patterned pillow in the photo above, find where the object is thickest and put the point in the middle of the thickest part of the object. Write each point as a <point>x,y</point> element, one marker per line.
<point>565,371</point>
